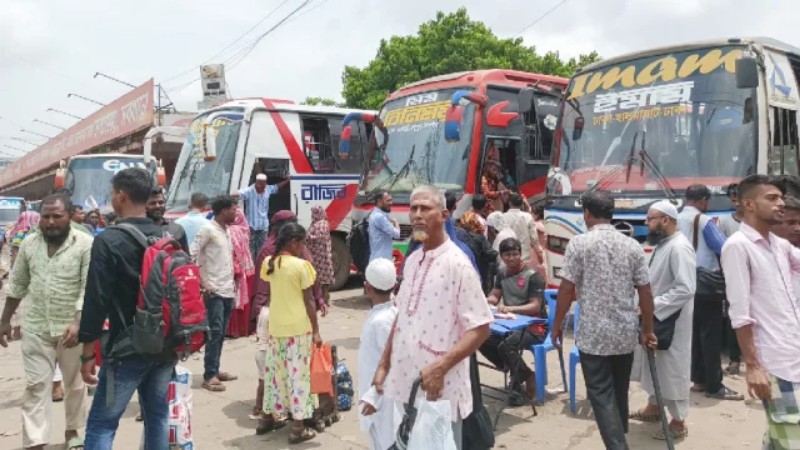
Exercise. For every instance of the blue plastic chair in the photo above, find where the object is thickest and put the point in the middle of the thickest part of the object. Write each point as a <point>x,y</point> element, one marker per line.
<point>540,350</point>
<point>574,360</point>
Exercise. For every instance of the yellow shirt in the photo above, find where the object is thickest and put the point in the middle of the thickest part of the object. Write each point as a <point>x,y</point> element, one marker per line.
<point>287,309</point>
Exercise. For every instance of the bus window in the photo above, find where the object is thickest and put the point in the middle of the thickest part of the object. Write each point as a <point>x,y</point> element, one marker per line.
<point>359,141</point>
<point>317,144</point>
<point>783,157</point>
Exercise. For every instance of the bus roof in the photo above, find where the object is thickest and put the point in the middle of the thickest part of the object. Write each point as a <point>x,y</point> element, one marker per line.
<point>108,155</point>
<point>476,78</point>
<point>282,105</point>
<point>765,42</point>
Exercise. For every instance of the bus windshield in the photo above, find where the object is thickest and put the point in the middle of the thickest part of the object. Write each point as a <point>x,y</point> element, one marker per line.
<point>659,122</point>
<point>193,174</point>
<point>411,148</point>
<point>89,179</point>
<point>9,210</point>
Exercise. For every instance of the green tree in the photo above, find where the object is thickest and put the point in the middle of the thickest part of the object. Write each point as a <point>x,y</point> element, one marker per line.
<point>319,101</point>
<point>449,43</point>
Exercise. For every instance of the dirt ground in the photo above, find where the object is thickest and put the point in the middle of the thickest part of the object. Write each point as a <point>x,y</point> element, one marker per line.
<point>220,420</point>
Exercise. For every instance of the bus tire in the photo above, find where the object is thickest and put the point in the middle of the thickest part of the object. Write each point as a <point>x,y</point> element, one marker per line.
<point>341,262</point>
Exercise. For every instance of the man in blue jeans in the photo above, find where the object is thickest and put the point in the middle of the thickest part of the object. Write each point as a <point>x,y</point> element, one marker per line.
<point>112,289</point>
<point>214,255</point>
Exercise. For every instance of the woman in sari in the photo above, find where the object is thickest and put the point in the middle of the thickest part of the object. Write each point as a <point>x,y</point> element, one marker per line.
<point>319,246</point>
<point>243,272</point>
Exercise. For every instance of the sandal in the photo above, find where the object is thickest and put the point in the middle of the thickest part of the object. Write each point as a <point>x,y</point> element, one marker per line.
<point>676,435</point>
<point>641,417</point>
<point>225,376</point>
<point>297,436</point>
<point>75,443</point>
<point>726,394</point>
<point>267,426</point>
<point>215,387</point>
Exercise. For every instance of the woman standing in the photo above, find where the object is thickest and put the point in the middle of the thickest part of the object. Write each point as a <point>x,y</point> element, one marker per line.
<point>319,246</point>
<point>243,272</point>
<point>293,329</point>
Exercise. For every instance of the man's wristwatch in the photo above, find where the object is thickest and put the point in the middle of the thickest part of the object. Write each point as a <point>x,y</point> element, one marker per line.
<point>85,359</point>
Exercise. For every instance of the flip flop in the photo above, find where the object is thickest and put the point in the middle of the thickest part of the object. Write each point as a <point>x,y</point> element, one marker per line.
<point>676,435</point>
<point>644,417</point>
<point>304,435</point>
<point>75,443</point>
<point>225,376</point>
<point>216,387</point>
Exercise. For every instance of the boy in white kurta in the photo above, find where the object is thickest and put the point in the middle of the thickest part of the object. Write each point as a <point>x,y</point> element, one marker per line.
<point>673,280</point>
<point>377,416</point>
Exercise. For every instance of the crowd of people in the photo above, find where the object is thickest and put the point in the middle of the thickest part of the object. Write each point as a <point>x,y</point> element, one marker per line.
<point>263,273</point>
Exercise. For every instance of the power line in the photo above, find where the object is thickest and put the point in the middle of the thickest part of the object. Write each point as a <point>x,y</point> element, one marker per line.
<point>226,48</point>
<point>540,18</point>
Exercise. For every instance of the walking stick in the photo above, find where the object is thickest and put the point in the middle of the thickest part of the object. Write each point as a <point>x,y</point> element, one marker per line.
<point>651,358</point>
<point>563,370</point>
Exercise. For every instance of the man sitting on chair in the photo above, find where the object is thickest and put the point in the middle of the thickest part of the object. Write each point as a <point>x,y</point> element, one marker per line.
<point>522,292</point>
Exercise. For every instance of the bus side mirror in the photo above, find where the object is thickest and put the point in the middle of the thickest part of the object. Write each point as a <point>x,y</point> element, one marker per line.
<point>525,100</point>
<point>209,144</point>
<point>61,174</point>
<point>344,142</point>
<point>577,128</point>
<point>746,72</point>
<point>452,123</point>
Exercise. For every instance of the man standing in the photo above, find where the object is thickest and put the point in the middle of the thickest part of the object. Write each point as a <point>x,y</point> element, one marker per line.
<point>50,273</point>
<point>523,225</point>
<point>256,198</point>
<point>382,228</point>
<point>729,224</point>
<point>156,207</point>
<point>606,268</point>
<point>707,241</point>
<point>112,291</point>
<point>765,311</point>
<point>789,226</point>
<point>481,210</point>
<point>213,252</point>
<point>439,283</point>
<point>672,277</point>
<point>195,219</point>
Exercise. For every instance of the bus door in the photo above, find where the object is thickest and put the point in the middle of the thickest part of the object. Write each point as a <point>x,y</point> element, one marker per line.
<point>533,161</point>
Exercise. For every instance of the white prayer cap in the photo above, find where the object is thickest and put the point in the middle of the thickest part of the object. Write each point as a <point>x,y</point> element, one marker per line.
<point>381,274</point>
<point>261,177</point>
<point>666,207</point>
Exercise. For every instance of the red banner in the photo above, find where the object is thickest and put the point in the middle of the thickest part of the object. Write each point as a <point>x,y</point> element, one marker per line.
<point>127,114</point>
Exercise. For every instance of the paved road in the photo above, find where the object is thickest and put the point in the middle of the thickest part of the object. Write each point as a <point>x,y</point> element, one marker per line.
<point>220,420</point>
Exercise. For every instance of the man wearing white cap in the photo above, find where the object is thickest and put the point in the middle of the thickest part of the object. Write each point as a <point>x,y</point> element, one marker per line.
<point>256,197</point>
<point>377,416</point>
<point>672,278</point>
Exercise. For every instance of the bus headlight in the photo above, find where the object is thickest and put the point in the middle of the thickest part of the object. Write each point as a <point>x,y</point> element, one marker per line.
<point>557,244</point>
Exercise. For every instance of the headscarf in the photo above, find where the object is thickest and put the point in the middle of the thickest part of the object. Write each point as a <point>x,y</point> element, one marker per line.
<point>497,221</point>
<point>26,222</point>
<point>471,223</point>
<point>318,243</point>
<point>242,259</point>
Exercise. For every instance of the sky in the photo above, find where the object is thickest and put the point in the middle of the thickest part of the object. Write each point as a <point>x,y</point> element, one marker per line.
<point>50,48</point>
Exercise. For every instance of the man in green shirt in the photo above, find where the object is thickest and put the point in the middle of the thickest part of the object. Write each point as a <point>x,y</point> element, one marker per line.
<point>50,274</point>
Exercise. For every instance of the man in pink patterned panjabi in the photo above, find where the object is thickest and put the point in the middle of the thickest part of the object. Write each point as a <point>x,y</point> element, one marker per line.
<point>443,316</point>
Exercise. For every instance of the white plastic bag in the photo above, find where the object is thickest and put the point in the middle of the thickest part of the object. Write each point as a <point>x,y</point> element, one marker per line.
<point>179,400</point>
<point>433,428</point>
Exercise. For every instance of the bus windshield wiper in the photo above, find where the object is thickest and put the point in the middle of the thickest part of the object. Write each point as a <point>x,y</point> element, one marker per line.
<point>645,159</point>
<point>405,169</point>
<point>626,165</point>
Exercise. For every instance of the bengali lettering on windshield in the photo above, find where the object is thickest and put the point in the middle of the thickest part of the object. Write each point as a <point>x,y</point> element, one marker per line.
<point>678,118</point>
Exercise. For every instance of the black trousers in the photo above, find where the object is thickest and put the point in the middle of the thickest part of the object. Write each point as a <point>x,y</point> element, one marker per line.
<point>504,353</point>
<point>734,352</point>
<point>707,344</point>
<point>607,380</point>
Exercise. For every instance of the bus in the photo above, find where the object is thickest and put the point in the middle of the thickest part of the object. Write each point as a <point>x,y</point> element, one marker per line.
<point>228,145</point>
<point>439,131</point>
<point>87,178</point>
<point>647,125</point>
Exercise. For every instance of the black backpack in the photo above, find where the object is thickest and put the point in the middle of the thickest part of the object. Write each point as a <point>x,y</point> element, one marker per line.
<point>358,244</point>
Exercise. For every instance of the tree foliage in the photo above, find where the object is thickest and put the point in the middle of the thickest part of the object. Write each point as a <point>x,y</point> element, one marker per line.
<point>319,101</point>
<point>449,43</point>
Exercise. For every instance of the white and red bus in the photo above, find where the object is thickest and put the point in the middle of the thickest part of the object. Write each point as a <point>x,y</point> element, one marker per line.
<point>647,125</point>
<point>232,142</point>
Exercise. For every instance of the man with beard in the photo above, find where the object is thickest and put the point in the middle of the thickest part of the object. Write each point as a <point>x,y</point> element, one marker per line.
<point>443,316</point>
<point>765,312</point>
<point>382,228</point>
<point>50,274</point>
<point>789,227</point>
<point>156,207</point>
<point>672,279</point>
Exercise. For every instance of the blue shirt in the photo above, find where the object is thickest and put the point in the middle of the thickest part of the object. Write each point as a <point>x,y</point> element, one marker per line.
<point>257,206</point>
<point>191,223</point>
<point>381,233</point>
<point>709,237</point>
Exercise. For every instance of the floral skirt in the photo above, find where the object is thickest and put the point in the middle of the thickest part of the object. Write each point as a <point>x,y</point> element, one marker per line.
<point>287,377</point>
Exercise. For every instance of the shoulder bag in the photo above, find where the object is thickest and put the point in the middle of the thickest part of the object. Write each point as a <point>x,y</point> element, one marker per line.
<point>710,283</point>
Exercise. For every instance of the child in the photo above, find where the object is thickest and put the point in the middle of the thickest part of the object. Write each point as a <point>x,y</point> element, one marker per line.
<point>293,329</point>
<point>377,417</point>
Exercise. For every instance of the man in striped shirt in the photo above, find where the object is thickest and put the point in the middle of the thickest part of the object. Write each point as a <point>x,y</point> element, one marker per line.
<point>256,209</point>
